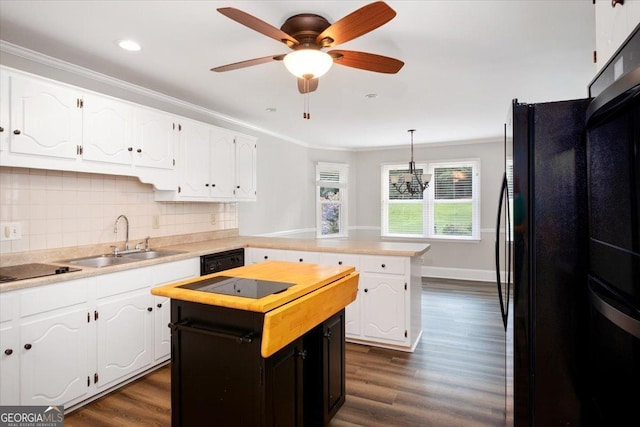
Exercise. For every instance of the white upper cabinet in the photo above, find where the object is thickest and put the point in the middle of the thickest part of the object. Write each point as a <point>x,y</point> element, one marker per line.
<point>613,26</point>
<point>194,160</point>
<point>107,132</point>
<point>246,179</point>
<point>154,138</point>
<point>46,119</point>
<point>215,165</point>
<point>223,165</point>
<point>45,124</point>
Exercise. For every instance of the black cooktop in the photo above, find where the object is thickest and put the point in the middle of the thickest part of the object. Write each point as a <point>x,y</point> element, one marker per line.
<point>240,287</point>
<point>30,271</point>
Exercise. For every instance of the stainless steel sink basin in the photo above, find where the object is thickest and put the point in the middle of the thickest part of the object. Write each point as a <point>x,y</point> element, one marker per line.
<point>151,254</point>
<point>100,261</point>
<point>107,260</point>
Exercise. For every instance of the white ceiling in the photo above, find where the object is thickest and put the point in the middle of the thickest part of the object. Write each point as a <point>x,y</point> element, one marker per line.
<point>464,62</point>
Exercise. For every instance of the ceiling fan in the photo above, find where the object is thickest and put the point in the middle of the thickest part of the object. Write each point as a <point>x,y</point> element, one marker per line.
<point>308,34</point>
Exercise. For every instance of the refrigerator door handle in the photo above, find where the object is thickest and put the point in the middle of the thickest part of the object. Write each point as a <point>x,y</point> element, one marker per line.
<point>617,317</point>
<point>503,189</point>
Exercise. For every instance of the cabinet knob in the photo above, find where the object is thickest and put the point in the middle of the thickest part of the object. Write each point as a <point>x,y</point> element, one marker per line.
<point>139,150</point>
<point>301,260</point>
<point>27,346</point>
<point>327,334</point>
<point>302,354</point>
<point>383,265</point>
<point>266,257</point>
<point>159,305</point>
<point>130,149</point>
<point>213,185</point>
<point>8,352</point>
<point>206,185</point>
<point>366,290</point>
<point>339,262</point>
<point>1,129</point>
<point>16,132</point>
<point>237,186</point>
<point>149,308</point>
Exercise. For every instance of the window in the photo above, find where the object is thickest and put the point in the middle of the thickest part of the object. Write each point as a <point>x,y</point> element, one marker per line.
<point>449,208</point>
<point>331,196</point>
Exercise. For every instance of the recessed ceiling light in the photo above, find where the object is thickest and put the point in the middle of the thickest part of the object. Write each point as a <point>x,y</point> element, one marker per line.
<point>271,109</point>
<point>129,45</point>
<point>371,95</point>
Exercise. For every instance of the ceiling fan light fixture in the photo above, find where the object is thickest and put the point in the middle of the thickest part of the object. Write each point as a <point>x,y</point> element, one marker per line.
<point>308,63</point>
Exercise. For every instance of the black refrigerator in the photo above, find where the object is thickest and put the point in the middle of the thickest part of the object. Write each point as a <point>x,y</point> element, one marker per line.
<point>568,254</point>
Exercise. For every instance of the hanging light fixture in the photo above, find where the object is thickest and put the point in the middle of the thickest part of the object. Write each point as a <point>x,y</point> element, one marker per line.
<point>411,182</point>
<point>308,63</point>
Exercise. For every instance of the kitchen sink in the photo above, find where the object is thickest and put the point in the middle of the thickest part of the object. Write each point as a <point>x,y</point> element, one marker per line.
<point>151,254</point>
<point>100,261</point>
<point>107,260</point>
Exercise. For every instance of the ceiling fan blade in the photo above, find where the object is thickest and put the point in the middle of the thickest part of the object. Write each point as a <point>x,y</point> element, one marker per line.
<point>306,86</point>
<point>366,61</point>
<point>357,23</point>
<point>248,63</point>
<point>258,25</point>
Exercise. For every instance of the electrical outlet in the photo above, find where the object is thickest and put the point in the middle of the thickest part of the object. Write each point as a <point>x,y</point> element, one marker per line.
<point>10,231</point>
<point>213,219</point>
<point>155,222</point>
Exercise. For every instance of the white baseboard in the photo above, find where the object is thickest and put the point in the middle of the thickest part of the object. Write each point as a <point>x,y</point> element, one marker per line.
<point>459,273</point>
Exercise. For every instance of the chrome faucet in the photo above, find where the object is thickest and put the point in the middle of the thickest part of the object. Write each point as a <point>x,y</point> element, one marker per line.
<point>115,230</point>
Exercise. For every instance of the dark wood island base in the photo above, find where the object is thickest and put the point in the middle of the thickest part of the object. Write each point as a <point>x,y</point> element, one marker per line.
<point>275,361</point>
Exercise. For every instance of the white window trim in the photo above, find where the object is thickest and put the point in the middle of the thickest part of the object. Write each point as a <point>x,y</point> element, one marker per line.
<point>428,200</point>
<point>343,184</point>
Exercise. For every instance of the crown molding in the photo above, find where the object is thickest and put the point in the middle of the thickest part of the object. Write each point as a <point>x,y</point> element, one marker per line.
<point>42,59</point>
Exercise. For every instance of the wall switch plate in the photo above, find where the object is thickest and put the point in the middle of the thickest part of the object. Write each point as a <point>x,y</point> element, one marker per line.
<point>10,231</point>
<point>155,222</point>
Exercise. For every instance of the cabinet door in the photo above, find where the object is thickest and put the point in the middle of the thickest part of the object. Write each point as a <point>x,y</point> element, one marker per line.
<point>284,393</point>
<point>246,180</point>
<point>383,307</point>
<point>4,113</point>
<point>304,256</point>
<point>162,332</point>
<point>9,365</point>
<point>154,138</point>
<point>266,254</point>
<point>223,158</point>
<point>53,358</point>
<point>9,350</point>
<point>334,351</point>
<point>46,119</point>
<point>107,132</point>
<point>195,159</point>
<point>124,335</point>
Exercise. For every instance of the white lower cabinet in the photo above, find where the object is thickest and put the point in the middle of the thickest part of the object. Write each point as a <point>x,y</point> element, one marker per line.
<point>387,311</point>
<point>9,354</point>
<point>124,333</point>
<point>161,330</point>
<point>383,303</point>
<point>54,358</point>
<point>64,343</point>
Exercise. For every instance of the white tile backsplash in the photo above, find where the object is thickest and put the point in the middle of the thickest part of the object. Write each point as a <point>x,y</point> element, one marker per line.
<point>63,209</point>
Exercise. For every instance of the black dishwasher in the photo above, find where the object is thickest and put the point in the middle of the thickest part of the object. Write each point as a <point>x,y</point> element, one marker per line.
<point>220,261</point>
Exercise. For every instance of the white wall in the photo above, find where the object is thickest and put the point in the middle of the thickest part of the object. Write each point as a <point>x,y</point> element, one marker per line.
<point>445,257</point>
<point>286,188</point>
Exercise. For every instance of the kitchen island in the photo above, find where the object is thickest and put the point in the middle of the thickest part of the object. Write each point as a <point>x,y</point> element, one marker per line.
<point>273,360</point>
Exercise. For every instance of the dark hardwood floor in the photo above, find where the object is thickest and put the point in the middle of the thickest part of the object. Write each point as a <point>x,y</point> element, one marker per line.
<point>454,378</point>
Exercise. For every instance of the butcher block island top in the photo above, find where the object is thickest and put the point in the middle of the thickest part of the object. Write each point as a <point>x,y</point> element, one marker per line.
<point>317,292</point>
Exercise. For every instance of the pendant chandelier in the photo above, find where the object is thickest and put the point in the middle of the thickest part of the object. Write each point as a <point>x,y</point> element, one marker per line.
<point>411,183</point>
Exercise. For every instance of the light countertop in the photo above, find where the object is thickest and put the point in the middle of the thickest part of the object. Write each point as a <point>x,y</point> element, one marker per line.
<point>193,247</point>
